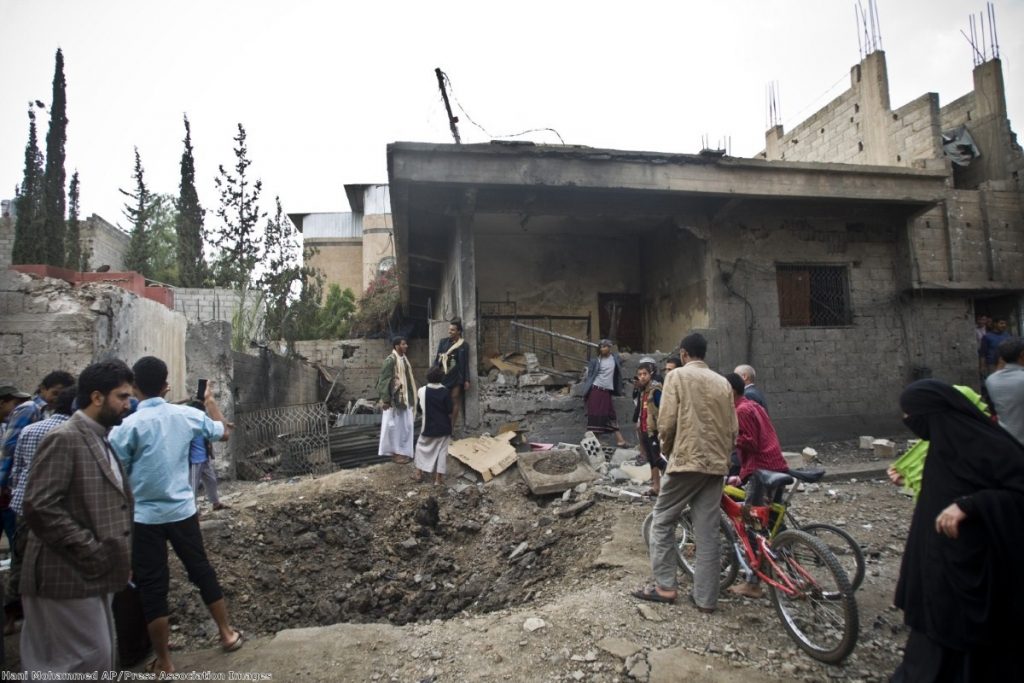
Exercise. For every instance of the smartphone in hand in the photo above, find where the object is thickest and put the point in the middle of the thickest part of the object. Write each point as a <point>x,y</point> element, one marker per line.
<point>201,391</point>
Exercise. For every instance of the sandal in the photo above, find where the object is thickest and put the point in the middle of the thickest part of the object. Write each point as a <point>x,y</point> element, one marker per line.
<point>651,493</point>
<point>234,644</point>
<point>650,594</point>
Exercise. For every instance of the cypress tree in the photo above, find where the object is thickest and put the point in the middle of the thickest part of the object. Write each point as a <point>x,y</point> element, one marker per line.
<point>138,211</point>
<point>74,259</point>
<point>239,212</point>
<point>29,240</point>
<point>55,176</point>
<point>191,265</point>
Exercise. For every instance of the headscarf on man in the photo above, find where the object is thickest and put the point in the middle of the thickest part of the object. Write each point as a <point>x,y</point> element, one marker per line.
<point>963,592</point>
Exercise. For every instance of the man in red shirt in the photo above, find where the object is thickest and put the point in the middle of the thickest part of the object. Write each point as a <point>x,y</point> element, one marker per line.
<point>758,447</point>
<point>757,443</point>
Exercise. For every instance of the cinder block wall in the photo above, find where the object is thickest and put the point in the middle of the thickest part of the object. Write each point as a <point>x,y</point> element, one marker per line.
<point>207,304</point>
<point>359,361</point>
<point>6,241</point>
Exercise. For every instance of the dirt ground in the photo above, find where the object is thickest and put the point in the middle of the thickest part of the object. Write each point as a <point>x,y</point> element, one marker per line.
<point>366,575</point>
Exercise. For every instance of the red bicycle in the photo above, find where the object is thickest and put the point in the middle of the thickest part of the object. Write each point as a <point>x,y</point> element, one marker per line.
<point>807,583</point>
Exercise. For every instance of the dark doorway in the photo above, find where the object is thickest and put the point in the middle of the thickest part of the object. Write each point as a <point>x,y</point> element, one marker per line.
<point>621,319</point>
<point>1007,307</point>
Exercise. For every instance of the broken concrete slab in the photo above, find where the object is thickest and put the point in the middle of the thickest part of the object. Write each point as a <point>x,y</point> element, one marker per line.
<point>680,664</point>
<point>490,456</point>
<point>866,443</point>
<point>540,379</point>
<point>638,474</point>
<point>618,647</point>
<point>625,548</point>
<point>622,455</point>
<point>547,472</point>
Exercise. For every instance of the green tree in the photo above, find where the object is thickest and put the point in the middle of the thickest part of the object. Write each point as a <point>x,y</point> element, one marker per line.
<point>73,259</point>
<point>239,212</point>
<point>281,280</point>
<point>192,270</point>
<point>138,210</point>
<point>55,177</point>
<point>335,319</point>
<point>29,238</point>
<point>164,217</point>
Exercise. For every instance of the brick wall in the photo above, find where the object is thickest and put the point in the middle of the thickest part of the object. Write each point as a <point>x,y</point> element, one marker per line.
<point>831,134</point>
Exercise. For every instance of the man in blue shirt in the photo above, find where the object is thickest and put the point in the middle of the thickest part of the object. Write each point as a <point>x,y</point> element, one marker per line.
<point>988,351</point>
<point>153,444</point>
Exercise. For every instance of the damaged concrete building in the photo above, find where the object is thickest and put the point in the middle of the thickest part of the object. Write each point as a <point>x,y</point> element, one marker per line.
<point>848,259</point>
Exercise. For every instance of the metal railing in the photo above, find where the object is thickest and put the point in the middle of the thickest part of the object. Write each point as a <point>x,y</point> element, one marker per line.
<point>282,442</point>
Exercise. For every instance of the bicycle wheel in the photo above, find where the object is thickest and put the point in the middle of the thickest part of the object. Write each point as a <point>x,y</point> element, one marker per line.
<point>819,612</point>
<point>686,553</point>
<point>844,547</point>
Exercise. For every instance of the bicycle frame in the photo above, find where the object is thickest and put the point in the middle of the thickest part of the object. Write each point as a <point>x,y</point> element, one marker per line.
<point>781,509</point>
<point>751,560</point>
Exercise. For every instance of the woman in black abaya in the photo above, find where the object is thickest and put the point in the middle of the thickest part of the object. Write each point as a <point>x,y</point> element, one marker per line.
<point>959,582</point>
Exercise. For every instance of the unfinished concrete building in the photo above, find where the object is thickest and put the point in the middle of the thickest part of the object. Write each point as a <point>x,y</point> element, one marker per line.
<point>849,259</point>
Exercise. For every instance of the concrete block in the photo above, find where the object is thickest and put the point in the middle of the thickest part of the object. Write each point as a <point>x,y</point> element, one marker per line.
<point>884,448</point>
<point>867,443</point>
<point>547,472</point>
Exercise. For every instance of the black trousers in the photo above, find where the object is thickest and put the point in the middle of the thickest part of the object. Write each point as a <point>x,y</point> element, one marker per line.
<point>149,563</point>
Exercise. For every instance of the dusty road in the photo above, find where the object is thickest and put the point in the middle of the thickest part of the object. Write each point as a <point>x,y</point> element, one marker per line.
<point>353,577</point>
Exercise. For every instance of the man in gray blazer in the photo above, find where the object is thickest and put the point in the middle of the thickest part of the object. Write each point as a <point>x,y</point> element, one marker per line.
<point>78,508</point>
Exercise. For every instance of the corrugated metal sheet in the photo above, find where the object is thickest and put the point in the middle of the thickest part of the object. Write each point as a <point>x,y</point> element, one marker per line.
<point>332,225</point>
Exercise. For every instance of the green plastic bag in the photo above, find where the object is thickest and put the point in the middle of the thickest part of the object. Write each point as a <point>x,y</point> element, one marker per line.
<point>910,465</point>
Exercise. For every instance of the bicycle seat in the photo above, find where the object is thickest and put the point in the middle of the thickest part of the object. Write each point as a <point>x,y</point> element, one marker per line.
<point>809,475</point>
<point>772,479</point>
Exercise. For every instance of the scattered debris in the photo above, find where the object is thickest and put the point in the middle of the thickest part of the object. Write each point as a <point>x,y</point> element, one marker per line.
<point>533,624</point>
<point>547,472</point>
<point>867,443</point>
<point>884,448</point>
<point>490,456</point>
<point>575,508</point>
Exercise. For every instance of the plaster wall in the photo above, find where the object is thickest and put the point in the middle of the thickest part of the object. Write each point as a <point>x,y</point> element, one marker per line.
<point>675,288</point>
<point>47,324</point>
<point>267,380</point>
<point>340,260</point>
<point>556,272</point>
<point>378,243</point>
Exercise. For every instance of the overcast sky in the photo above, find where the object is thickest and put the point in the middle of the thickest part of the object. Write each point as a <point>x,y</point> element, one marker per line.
<point>323,86</point>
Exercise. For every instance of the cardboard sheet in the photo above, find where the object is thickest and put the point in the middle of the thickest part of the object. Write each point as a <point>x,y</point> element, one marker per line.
<point>490,456</point>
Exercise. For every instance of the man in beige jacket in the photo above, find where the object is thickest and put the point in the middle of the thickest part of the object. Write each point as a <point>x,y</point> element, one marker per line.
<point>697,428</point>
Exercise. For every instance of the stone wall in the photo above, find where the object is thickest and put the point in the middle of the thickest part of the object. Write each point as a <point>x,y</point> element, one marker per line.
<point>358,361</point>
<point>340,260</point>
<point>47,324</point>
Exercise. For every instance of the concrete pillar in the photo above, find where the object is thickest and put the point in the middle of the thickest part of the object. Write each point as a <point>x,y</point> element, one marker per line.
<point>773,143</point>
<point>465,248</point>
<point>876,115</point>
<point>989,91</point>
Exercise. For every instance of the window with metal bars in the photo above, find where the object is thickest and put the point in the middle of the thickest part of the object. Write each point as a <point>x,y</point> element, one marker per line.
<point>813,295</point>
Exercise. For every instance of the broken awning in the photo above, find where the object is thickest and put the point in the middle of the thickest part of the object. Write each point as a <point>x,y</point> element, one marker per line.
<point>958,146</point>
